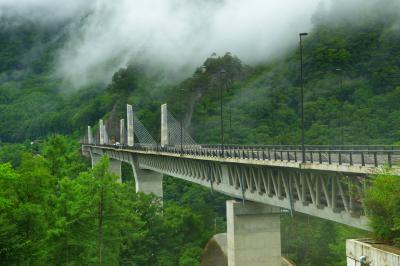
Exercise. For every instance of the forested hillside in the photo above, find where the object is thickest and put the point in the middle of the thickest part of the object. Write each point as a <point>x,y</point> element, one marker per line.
<point>352,96</point>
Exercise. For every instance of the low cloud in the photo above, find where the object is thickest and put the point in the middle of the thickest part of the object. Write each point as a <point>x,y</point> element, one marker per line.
<point>175,36</point>
<point>170,36</point>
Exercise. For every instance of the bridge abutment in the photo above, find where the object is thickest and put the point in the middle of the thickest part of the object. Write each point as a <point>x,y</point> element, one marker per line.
<point>253,234</point>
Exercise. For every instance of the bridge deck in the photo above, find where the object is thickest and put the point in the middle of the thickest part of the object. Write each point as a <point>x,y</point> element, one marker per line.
<point>330,186</point>
<point>353,159</point>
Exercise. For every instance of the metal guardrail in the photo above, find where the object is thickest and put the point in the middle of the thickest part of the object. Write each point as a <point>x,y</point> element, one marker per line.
<point>363,155</point>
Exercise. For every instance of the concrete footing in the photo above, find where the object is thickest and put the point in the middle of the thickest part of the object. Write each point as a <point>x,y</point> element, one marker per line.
<point>253,234</point>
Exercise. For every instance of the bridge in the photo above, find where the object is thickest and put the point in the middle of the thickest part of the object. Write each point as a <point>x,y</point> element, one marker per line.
<point>322,181</point>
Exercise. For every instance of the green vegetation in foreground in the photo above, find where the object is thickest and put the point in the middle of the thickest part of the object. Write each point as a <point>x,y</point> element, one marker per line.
<point>54,210</point>
<point>382,200</point>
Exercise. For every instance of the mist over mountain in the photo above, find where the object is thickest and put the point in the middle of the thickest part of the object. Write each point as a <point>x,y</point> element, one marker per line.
<point>171,37</point>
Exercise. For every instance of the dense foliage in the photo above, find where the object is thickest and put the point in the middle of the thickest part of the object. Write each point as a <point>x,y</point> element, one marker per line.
<point>382,200</point>
<point>56,211</point>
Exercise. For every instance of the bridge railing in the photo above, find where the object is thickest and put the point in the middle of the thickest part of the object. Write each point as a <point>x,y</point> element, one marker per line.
<point>373,156</point>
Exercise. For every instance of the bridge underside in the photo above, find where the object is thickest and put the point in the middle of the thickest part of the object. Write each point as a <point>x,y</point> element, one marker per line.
<point>335,196</point>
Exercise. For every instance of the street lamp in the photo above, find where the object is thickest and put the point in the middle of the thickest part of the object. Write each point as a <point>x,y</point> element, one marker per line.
<point>222,76</point>
<point>181,120</point>
<point>340,111</point>
<point>302,97</point>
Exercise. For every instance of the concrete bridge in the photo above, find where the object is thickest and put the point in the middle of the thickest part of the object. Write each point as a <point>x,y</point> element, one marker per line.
<point>322,181</point>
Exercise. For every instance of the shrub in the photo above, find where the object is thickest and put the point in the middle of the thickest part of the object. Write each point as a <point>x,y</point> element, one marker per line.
<point>382,201</point>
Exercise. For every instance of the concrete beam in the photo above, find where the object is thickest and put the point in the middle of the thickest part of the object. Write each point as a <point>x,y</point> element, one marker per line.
<point>164,125</point>
<point>130,127</point>
<point>253,232</point>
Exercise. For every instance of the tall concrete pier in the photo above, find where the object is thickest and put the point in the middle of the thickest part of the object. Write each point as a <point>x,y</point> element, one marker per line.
<point>253,233</point>
<point>115,168</point>
<point>147,181</point>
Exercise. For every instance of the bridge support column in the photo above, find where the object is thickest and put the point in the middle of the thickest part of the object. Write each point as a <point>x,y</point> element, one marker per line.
<point>95,158</point>
<point>114,166</point>
<point>253,234</point>
<point>147,181</point>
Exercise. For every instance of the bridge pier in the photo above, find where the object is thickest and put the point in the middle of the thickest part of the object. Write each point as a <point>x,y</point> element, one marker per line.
<point>114,166</point>
<point>147,181</point>
<point>253,234</point>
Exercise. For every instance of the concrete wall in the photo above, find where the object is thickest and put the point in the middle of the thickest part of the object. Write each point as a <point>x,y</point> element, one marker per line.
<point>376,254</point>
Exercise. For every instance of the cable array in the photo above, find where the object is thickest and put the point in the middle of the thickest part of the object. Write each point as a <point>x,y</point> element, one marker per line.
<point>141,132</point>
<point>174,132</point>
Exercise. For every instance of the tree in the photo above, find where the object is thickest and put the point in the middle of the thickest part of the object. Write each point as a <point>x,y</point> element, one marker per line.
<point>382,200</point>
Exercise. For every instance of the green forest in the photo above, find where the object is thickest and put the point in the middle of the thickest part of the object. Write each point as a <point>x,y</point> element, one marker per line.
<point>56,210</point>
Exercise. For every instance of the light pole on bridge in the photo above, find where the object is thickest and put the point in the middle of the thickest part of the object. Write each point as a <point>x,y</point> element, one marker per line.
<point>303,150</point>
<point>181,120</point>
<point>339,70</point>
<point>222,77</point>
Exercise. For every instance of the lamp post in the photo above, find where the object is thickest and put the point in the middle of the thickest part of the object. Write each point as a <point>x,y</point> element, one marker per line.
<point>339,70</point>
<point>181,118</point>
<point>303,150</point>
<point>222,76</point>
